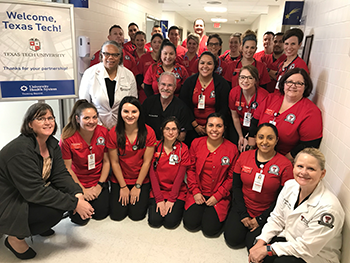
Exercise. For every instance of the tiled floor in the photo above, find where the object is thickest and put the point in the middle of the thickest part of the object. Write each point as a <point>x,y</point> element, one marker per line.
<point>126,241</point>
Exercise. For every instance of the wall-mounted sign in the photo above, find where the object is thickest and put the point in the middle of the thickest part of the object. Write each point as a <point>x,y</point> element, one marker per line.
<point>37,51</point>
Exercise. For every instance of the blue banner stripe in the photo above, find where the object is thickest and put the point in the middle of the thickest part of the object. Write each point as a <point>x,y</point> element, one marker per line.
<point>36,88</point>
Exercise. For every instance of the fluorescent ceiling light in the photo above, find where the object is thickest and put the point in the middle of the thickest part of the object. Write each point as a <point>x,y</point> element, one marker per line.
<point>219,20</point>
<point>215,9</point>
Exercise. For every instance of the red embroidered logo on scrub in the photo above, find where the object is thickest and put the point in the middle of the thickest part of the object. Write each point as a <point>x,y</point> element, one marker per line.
<point>274,169</point>
<point>269,112</point>
<point>100,141</point>
<point>247,169</point>
<point>290,118</point>
<point>242,104</point>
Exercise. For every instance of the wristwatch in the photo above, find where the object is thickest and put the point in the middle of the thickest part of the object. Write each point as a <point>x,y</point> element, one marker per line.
<point>101,184</point>
<point>138,186</point>
<point>269,250</point>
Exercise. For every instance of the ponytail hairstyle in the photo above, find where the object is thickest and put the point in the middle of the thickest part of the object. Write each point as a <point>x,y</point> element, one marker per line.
<point>120,127</point>
<point>73,125</point>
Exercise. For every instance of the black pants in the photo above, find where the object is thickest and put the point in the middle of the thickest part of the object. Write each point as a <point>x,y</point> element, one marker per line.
<point>135,212</point>
<point>42,218</point>
<point>203,217</point>
<point>100,205</point>
<point>171,220</point>
<point>236,233</point>
<point>282,259</point>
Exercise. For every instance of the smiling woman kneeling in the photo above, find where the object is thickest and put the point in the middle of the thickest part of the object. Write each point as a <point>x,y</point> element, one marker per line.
<point>35,186</point>
<point>309,214</point>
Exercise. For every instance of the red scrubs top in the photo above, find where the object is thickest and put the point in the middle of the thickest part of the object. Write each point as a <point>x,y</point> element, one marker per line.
<point>155,70</point>
<point>144,62</point>
<point>180,51</point>
<point>235,98</point>
<point>166,181</point>
<point>272,63</point>
<point>129,47</point>
<point>220,69</point>
<point>296,63</point>
<point>258,56</point>
<point>234,68</point>
<point>301,122</point>
<point>209,93</point>
<point>227,58</point>
<point>224,159</point>
<point>76,149</point>
<point>277,171</point>
<point>202,45</point>
<point>130,161</point>
<point>189,63</point>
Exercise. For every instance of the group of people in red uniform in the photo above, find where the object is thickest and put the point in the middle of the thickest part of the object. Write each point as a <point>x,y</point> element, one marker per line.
<point>245,134</point>
<point>213,180</point>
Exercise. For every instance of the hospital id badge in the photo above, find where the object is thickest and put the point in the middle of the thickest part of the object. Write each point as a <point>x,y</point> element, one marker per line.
<point>247,118</point>
<point>91,161</point>
<point>201,102</point>
<point>173,159</point>
<point>258,182</point>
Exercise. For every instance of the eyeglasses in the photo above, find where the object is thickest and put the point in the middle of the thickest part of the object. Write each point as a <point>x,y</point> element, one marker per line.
<point>114,55</point>
<point>43,119</point>
<point>290,83</point>
<point>167,129</point>
<point>242,77</point>
<point>214,44</point>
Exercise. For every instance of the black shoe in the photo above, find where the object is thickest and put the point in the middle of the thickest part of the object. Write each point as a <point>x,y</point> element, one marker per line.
<point>48,233</point>
<point>30,253</point>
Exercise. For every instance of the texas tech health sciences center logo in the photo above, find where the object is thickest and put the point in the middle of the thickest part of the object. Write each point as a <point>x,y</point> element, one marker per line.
<point>34,44</point>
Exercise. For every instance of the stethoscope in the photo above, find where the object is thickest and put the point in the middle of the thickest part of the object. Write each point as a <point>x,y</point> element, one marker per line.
<point>234,71</point>
<point>281,69</point>
<point>219,68</point>
<point>156,161</point>
<point>176,69</point>
<point>185,56</point>
<point>253,105</point>
<point>134,148</point>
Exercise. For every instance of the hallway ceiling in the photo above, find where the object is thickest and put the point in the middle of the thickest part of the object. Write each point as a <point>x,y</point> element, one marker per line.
<point>241,12</point>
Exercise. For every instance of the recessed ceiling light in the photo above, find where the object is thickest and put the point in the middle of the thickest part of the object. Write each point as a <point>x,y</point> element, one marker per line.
<point>219,20</point>
<point>215,9</point>
<point>214,3</point>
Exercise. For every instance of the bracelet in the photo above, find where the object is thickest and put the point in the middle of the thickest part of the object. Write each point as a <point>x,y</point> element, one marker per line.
<point>196,126</point>
<point>123,186</point>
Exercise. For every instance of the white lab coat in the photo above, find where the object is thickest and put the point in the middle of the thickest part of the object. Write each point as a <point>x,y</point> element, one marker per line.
<point>309,229</point>
<point>93,89</point>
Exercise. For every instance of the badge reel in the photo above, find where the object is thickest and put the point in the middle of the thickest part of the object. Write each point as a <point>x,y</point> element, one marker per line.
<point>273,122</point>
<point>258,180</point>
<point>91,161</point>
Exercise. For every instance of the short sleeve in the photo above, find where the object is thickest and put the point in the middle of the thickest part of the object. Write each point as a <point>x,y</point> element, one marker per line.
<point>112,139</point>
<point>232,99</point>
<point>65,149</point>
<point>238,166</point>
<point>149,73</point>
<point>151,137</point>
<point>185,156</point>
<point>311,127</point>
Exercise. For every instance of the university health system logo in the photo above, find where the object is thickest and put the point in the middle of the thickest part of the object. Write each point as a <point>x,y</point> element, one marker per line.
<point>34,44</point>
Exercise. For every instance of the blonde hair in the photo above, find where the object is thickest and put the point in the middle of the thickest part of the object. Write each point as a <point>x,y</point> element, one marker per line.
<point>314,153</point>
<point>195,37</point>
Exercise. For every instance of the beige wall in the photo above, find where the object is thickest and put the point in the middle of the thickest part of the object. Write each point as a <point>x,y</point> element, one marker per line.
<point>330,72</point>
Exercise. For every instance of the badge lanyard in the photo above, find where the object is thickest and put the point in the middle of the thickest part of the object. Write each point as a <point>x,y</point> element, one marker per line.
<point>259,180</point>
<point>275,115</point>
<point>248,115</point>
<point>91,159</point>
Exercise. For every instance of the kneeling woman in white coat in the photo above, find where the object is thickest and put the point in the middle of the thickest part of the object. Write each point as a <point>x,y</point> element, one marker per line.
<point>107,83</point>
<point>310,215</point>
